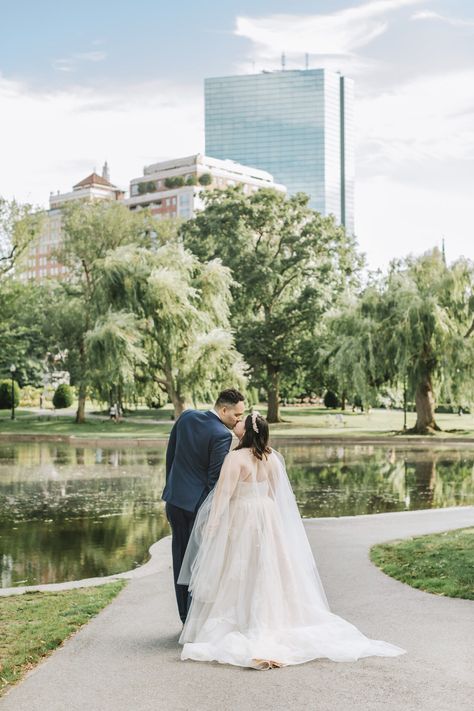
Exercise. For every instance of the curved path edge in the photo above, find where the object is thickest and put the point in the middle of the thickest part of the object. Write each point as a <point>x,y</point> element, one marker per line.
<point>157,563</point>
<point>159,559</point>
<point>128,656</point>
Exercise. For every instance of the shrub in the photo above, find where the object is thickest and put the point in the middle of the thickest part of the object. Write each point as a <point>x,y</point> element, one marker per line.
<point>205,179</point>
<point>63,396</point>
<point>191,180</point>
<point>148,187</point>
<point>174,182</point>
<point>6,394</point>
<point>157,400</point>
<point>331,400</point>
<point>30,396</point>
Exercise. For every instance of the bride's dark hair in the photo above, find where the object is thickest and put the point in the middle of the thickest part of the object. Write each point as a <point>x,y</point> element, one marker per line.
<point>256,441</point>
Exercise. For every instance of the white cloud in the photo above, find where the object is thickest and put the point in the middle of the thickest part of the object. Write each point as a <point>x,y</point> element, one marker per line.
<point>396,218</point>
<point>430,117</point>
<point>415,158</point>
<point>69,64</point>
<point>50,141</point>
<point>454,21</point>
<point>338,33</point>
<point>96,56</point>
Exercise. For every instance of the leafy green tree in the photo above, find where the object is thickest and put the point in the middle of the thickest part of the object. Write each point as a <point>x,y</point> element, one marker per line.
<point>182,305</point>
<point>290,265</point>
<point>25,327</point>
<point>115,348</point>
<point>6,394</point>
<point>90,231</point>
<point>19,226</point>
<point>413,327</point>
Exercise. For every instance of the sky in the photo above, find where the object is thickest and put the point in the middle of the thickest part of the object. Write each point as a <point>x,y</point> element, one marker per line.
<point>81,83</point>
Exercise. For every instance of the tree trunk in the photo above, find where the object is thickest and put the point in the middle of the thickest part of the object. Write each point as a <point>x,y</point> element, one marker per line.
<point>273,414</point>
<point>179,402</point>
<point>425,477</point>
<point>179,405</point>
<point>343,400</point>
<point>120,400</point>
<point>425,407</point>
<point>81,405</point>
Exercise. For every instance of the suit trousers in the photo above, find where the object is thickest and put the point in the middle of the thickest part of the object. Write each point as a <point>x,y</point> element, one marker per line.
<point>181,523</point>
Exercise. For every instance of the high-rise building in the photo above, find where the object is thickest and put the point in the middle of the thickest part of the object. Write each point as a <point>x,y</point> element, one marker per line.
<point>298,125</point>
<point>173,188</point>
<point>39,261</point>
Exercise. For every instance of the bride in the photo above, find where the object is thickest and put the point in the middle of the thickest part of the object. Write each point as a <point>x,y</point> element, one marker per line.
<point>256,596</point>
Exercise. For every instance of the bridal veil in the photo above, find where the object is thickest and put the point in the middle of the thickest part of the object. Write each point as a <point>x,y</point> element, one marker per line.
<point>256,593</point>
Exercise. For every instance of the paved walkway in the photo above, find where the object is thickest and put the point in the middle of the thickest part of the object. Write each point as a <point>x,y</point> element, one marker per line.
<point>127,658</point>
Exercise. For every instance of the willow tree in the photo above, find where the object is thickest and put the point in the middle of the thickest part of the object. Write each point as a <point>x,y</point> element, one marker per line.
<point>183,307</point>
<point>289,265</point>
<point>412,328</point>
<point>19,227</point>
<point>115,348</point>
<point>90,231</point>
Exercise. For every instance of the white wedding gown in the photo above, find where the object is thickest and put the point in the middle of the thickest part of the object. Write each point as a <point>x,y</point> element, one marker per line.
<point>257,599</point>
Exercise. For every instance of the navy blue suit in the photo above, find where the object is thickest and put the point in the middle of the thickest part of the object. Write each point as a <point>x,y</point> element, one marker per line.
<point>197,446</point>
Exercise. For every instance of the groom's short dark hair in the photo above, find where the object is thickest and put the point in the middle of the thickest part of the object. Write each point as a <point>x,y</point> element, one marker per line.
<point>229,397</point>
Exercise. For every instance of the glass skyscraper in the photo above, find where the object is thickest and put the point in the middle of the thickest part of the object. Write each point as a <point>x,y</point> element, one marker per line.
<point>297,125</point>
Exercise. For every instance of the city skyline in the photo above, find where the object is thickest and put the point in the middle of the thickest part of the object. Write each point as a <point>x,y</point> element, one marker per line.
<point>110,85</point>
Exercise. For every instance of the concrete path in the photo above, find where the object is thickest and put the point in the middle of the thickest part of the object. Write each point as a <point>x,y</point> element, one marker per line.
<point>127,658</point>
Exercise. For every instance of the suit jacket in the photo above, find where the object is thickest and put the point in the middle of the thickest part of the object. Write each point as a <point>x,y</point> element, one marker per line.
<point>197,446</point>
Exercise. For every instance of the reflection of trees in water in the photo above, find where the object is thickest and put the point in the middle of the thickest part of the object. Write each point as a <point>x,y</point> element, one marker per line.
<point>66,499</point>
<point>340,490</point>
<point>28,457</point>
<point>422,489</point>
<point>67,513</point>
<point>79,548</point>
<point>72,512</point>
<point>330,481</point>
<point>437,481</point>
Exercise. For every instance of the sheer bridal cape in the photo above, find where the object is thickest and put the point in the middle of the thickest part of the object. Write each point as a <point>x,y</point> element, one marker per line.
<point>257,599</point>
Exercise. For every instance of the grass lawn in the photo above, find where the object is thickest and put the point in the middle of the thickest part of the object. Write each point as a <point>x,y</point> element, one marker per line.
<point>305,421</point>
<point>34,624</point>
<point>27,422</point>
<point>440,563</point>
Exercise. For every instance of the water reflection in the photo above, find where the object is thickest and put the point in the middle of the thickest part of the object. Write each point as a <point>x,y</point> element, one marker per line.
<point>72,512</point>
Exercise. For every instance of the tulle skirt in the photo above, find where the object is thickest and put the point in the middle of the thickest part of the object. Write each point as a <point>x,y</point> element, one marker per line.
<point>268,609</point>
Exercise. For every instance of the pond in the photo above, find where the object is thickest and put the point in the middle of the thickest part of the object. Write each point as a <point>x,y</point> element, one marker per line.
<point>69,512</point>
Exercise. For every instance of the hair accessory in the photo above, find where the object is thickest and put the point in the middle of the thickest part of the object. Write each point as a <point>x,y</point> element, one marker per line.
<point>254,416</point>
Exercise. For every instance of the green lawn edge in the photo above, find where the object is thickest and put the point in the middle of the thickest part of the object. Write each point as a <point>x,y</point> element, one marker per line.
<point>438,563</point>
<point>33,625</point>
<point>298,423</point>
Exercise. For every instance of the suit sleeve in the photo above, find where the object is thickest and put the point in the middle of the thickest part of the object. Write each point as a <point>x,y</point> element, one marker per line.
<point>219,449</point>
<point>170,450</point>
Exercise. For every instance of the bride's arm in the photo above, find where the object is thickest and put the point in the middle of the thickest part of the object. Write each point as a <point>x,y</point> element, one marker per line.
<point>224,490</point>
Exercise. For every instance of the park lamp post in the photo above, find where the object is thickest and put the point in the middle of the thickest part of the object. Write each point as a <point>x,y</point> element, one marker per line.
<point>12,371</point>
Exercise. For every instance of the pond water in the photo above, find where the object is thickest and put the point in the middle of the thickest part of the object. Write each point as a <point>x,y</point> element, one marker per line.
<point>69,512</point>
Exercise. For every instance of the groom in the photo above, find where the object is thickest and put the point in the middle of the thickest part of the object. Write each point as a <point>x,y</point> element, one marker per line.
<point>198,444</point>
